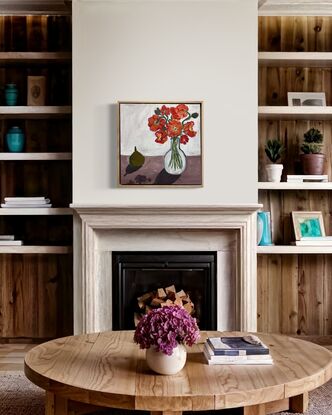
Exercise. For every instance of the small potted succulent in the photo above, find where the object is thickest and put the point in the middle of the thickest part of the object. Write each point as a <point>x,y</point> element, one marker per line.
<point>312,159</point>
<point>273,150</point>
<point>163,332</point>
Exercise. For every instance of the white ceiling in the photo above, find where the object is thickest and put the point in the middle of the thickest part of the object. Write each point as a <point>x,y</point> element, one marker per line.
<point>295,7</point>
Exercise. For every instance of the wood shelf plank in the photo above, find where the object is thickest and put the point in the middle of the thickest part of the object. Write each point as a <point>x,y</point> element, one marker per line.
<point>26,111</point>
<point>35,249</point>
<point>294,186</point>
<point>35,156</point>
<point>296,59</point>
<point>34,57</point>
<point>294,113</point>
<point>35,211</point>
<point>293,249</point>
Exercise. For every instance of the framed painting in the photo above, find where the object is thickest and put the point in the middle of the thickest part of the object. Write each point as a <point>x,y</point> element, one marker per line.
<point>160,144</point>
<point>308,224</point>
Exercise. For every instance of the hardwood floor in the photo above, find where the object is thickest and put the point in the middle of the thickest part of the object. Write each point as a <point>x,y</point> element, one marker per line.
<point>12,356</point>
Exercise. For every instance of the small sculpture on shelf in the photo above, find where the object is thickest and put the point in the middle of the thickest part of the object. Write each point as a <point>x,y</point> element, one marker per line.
<point>273,150</point>
<point>312,159</point>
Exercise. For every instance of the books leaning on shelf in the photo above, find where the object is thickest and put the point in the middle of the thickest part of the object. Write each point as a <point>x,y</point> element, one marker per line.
<point>301,178</point>
<point>315,241</point>
<point>247,350</point>
<point>26,202</point>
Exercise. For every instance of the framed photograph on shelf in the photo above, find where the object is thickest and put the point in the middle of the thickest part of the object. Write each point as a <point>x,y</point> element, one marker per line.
<point>160,143</point>
<point>308,224</point>
<point>303,99</point>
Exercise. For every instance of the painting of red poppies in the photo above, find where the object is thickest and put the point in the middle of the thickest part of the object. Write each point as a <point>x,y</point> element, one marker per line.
<point>160,144</point>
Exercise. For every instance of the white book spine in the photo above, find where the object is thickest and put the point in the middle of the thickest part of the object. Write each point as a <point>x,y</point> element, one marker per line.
<point>11,243</point>
<point>19,205</point>
<point>7,237</point>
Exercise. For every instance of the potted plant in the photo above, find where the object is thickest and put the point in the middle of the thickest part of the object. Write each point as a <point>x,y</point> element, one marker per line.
<point>273,150</point>
<point>312,159</point>
<point>163,332</point>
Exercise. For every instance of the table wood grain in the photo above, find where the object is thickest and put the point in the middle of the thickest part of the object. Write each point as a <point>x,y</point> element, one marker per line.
<point>109,370</point>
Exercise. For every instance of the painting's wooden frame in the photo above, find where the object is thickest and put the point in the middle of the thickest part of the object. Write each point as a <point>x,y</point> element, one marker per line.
<point>201,103</point>
<point>298,215</point>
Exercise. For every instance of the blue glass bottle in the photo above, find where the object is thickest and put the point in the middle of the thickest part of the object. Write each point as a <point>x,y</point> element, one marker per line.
<point>15,140</point>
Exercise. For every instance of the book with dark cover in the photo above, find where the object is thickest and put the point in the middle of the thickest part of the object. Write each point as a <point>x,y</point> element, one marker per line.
<point>237,346</point>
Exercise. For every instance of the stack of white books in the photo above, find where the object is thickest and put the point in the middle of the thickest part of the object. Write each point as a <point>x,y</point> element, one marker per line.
<point>314,241</point>
<point>246,350</point>
<point>9,240</point>
<point>302,178</point>
<point>26,202</point>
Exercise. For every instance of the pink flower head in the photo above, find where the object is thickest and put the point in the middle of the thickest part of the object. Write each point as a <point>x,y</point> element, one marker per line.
<point>165,328</point>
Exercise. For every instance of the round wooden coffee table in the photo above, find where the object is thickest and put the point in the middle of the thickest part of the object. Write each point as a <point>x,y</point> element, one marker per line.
<point>109,370</point>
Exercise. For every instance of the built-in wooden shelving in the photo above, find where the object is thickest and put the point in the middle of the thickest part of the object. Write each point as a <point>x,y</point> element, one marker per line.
<point>35,111</point>
<point>7,58</point>
<point>294,186</point>
<point>294,113</point>
<point>35,211</point>
<point>296,59</point>
<point>35,249</point>
<point>293,249</point>
<point>35,156</point>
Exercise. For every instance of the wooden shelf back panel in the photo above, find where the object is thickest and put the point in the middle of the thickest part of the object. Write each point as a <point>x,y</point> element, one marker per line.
<point>35,295</point>
<point>295,294</point>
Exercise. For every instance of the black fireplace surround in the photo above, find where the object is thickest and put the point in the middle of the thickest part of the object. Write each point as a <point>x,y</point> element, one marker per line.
<point>136,273</point>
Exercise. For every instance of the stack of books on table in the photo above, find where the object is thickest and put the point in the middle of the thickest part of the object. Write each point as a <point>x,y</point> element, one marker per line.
<point>246,350</point>
<point>6,240</point>
<point>26,202</point>
<point>314,241</point>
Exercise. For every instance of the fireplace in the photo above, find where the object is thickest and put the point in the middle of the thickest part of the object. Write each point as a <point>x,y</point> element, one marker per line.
<point>229,231</point>
<point>139,273</point>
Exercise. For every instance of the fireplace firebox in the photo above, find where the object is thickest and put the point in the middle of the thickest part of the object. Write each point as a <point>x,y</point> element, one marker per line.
<point>137,273</point>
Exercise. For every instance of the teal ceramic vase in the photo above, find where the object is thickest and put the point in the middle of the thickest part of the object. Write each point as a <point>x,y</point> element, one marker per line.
<point>11,94</point>
<point>15,140</point>
<point>264,219</point>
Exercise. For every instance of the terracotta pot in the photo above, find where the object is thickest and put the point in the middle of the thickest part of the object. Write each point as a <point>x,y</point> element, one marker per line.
<point>313,163</point>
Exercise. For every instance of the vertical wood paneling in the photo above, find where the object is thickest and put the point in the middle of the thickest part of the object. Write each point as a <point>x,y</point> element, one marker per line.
<point>302,282</point>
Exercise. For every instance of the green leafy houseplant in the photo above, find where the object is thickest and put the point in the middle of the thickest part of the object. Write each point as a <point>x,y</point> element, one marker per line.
<point>274,149</point>
<point>312,159</point>
<point>312,143</point>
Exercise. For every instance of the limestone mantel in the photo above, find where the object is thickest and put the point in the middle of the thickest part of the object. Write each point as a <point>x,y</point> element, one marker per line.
<point>92,288</point>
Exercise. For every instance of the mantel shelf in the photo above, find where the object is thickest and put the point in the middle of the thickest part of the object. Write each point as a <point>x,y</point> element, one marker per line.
<point>34,57</point>
<point>296,59</point>
<point>35,249</point>
<point>294,186</point>
<point>34,111</point>
<point>294,113</point>
<point>293,249</point>
<point>35,211</point>
<point>35,156</point>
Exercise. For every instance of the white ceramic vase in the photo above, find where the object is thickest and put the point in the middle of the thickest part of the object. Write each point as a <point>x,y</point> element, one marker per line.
<point>161,363</point>
<point>274,172</point>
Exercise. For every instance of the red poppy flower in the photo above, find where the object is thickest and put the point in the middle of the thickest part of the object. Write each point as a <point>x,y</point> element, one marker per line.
<point>174,128</point>
<point>156,122</point>
<point>184,139</point>
<point>188,129</point>
<point>165,110</point>
<point>161,137</point>
<point>180,111</point>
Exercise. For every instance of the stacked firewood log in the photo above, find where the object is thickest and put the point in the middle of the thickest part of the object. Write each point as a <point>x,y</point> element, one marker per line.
<point>163,297</point>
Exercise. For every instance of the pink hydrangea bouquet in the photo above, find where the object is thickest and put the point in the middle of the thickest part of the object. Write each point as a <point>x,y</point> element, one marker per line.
<point>165,328</point>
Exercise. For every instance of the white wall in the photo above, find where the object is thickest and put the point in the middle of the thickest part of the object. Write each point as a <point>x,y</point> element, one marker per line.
<point>165,50</point>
